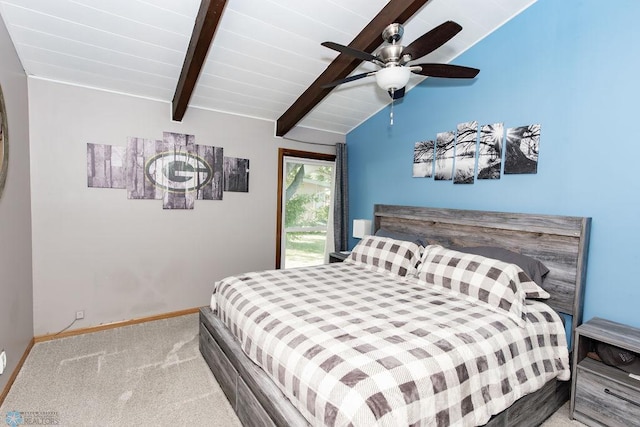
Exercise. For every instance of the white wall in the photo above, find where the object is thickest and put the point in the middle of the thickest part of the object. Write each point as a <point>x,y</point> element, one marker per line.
<point>16,309</point>
<point>118,259</point>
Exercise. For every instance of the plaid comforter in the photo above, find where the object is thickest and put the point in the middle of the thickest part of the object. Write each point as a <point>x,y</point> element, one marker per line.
<point>349,346</point>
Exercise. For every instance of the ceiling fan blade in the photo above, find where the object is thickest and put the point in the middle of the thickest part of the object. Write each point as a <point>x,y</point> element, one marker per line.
<point>350,51</point>
<point>348,79</point>
<point>397,94</point>
<point>447,70</point>
<point>432,40</point>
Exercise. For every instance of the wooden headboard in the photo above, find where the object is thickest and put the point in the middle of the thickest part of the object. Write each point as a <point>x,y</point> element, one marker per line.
<point>560,242</point>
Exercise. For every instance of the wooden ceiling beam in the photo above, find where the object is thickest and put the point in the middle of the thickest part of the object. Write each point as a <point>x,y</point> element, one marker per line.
<point>203,30</point>
<point>368,40</point>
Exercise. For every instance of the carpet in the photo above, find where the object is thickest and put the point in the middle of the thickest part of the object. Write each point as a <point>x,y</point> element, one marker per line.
<point>148,374</point>
<point>141,375</point>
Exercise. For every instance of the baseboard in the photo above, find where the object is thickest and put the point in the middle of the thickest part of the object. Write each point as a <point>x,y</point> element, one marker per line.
<point>13,376</point>
<point>49,337</point>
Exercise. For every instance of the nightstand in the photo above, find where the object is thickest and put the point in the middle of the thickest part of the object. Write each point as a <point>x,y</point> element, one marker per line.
<point>602,394</point>
<point>338,256</point>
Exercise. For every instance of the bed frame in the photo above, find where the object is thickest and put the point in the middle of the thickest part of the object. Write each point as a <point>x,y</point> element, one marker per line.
<point>560,242</point>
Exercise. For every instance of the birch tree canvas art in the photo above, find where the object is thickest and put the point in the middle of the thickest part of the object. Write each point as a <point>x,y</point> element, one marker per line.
<point>423,159</point>
<point>490,151</point>
<point>473,151</point>
<point>445,145</point>
<point>465,158</point>
<point>522,150</point>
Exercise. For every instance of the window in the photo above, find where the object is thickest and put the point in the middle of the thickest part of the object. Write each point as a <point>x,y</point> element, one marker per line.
<point>305,201</point>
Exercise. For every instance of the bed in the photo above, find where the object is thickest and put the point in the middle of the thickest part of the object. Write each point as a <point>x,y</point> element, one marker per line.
<point>559,242</point>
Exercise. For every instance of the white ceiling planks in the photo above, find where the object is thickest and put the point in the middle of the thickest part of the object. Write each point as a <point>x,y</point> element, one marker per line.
<point>264,54</point>
<point>93,43</point>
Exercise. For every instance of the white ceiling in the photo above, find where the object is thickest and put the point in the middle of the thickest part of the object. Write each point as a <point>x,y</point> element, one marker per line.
<point>265,53</point>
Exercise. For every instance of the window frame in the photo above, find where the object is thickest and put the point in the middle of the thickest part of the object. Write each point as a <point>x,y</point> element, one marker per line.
<point>282,153</point>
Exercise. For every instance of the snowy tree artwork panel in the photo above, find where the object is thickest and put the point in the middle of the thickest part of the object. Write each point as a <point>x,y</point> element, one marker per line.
<point>465,163</point>
<point>490,151</point>
<point>423,159</point>
<point>522,150</point>
<point>445,145</point>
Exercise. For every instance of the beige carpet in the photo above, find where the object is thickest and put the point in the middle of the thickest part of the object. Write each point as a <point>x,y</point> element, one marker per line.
<point>151,374</point>
<point>142,375</point>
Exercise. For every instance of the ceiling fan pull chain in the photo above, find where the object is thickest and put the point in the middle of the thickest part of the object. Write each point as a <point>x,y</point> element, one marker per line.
<point>391,114</point>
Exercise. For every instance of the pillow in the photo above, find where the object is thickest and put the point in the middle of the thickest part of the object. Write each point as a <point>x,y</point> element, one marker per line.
<point>486,281</point>
<point>384,254</point>
<point>534,268</point>
<point>383,232</point>
<point>529,287</point>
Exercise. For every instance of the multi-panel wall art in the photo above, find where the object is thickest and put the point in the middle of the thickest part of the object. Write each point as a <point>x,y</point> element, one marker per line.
<point>423,159</point>
<point>175,170</point>
<point>490,151</point>
<point>105,166</point>
<point>465,159</point>
<point>522,150</point>
<point>236,174</point>
<point>445,144</point>
<point>473,152</point>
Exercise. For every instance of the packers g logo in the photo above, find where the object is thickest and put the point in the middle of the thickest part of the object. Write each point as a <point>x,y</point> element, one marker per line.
<point>178,172</point>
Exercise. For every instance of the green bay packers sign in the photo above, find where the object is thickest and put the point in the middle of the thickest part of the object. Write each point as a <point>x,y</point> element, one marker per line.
<point>178,172</point>
<point>175,169</point>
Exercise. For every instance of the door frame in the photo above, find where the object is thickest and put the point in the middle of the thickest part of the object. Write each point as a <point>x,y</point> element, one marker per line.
<point>282,153</point>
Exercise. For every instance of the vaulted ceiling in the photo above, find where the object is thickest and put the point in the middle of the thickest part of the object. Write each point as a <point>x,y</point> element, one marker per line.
<point>264,54</point>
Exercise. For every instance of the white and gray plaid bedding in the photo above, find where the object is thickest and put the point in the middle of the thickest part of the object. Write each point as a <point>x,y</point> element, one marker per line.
<point>353,347</point>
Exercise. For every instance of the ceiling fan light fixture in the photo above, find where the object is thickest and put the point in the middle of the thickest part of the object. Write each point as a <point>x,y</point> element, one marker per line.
<point>393,59</point>
<point>393,78</point>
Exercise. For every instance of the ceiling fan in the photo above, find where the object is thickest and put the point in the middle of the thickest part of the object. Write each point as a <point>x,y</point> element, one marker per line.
<point>393,59</point>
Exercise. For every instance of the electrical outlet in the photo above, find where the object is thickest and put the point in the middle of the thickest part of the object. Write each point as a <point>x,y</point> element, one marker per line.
<point>3,361</point>
<point>79,314</point>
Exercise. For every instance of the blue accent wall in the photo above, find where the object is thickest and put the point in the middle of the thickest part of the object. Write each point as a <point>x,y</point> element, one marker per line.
<point>574,67</point>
